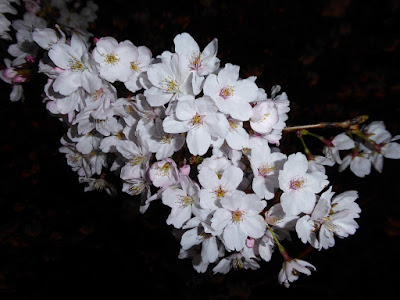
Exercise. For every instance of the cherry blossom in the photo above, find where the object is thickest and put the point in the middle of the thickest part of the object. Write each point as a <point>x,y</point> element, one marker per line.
<point>195,136</point>
<point>237,137</point>
<point>200,233</point>
<point>340,142</point>
<point>384,147</point>
<point>170,80</point>
<point>299,187</point>
<point>5,7</point>
<point>139,65</point>
<point>200,63</point>
<point>239,218</point>
<point>322,225</point>
<point>360,163</point>
<point>137,159</point>
<point>115,59</point>
<point>200,119</point>
<point>236,261</point>
<point>78,66</point>
<point>266,167</point>
<point>291,270</point>
<point>164,173</point>
<point>217,184</point>
<point>164,144</point>
<point>231,94</point>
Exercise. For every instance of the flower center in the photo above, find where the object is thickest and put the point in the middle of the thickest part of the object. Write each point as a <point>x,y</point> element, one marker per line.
<point>296,183</point>
<point>101,122</point>
<point>205,236</point>
<point>194,63</point>
<point>135,159</point>
<point>220,192</point>
<point>185,201</point>
<point>265,169</point>
<point>197,120</point>
<point>164,170</point>
<point>170,85</point>
<point>93,153</point>
<point>234,124</point>
<point>238,216</point>
<point>135,65</point>
<point>95,96</point>
<point>237,264</point>
<point>99,185</point>
<point>129,109</point>
<point>76,65</point>
<point>111,59</point>
<point>136,189</point>
<point>226,92</point>
<point>166,139</point>
<point>120,135</point>
<point>75,157</point>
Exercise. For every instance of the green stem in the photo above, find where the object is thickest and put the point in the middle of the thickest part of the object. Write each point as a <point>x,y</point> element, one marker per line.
<point>306,150</point>
<point>373,143</point>
<point>280,247</point>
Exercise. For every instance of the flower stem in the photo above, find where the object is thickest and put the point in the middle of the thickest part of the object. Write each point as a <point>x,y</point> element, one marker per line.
<point>307,151</point>
<point>367,139</point>
<point>282,250</point>
<point>344,124</point>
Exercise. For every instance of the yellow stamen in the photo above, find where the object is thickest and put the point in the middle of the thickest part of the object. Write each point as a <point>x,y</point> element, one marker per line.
<point>265,169</point>
<point>296,183</point>
<point>197,120</point>
<point>185,200</point>
<point>226,92</point>
<point>194,63</point>
<point>166,139</point>
<point>76,65</point>
<point>164,170</point>
<point>170,85</point>
<point>238,216</point>
<point>135,159</point>
<point>135,65</point>
<point>111,58</point>
<point>234,124</point>
<point>220,192</point>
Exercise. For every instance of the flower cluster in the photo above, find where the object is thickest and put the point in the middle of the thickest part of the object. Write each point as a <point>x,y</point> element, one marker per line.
<point>33,32</point>
<point>193,134</point>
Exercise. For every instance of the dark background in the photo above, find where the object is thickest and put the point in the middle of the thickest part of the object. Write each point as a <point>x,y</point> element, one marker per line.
<point>334,59</point>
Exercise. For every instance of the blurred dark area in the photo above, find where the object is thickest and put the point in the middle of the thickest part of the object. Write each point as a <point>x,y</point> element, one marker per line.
<point>335,60</point>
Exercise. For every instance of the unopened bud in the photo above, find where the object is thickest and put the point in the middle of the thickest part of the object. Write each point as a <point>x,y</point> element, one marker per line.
<point>30,59</point>
<point>9,73</point>
<point>185,169</point>
<point>19,79</point>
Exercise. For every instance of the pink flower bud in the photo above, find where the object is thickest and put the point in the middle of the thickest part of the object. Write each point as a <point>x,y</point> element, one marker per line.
<point>19,79</point>
<point>95,40</point>
<point>185,169</point>
<point>9,73</point>
<point>30,59</point>
<point>250,242</point>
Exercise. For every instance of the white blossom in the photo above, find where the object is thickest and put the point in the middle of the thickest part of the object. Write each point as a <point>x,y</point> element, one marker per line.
<point>239,218</point>
<point>299,187</point>
<point>79,69</point>
<point>231,94</point>
<point>291,270</point>
<point>200,119</point>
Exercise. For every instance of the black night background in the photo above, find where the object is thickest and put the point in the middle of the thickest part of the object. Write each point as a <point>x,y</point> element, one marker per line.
<point>335,59</point>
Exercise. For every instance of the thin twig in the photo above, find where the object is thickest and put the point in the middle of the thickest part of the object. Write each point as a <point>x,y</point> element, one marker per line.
<point>344,124</point>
